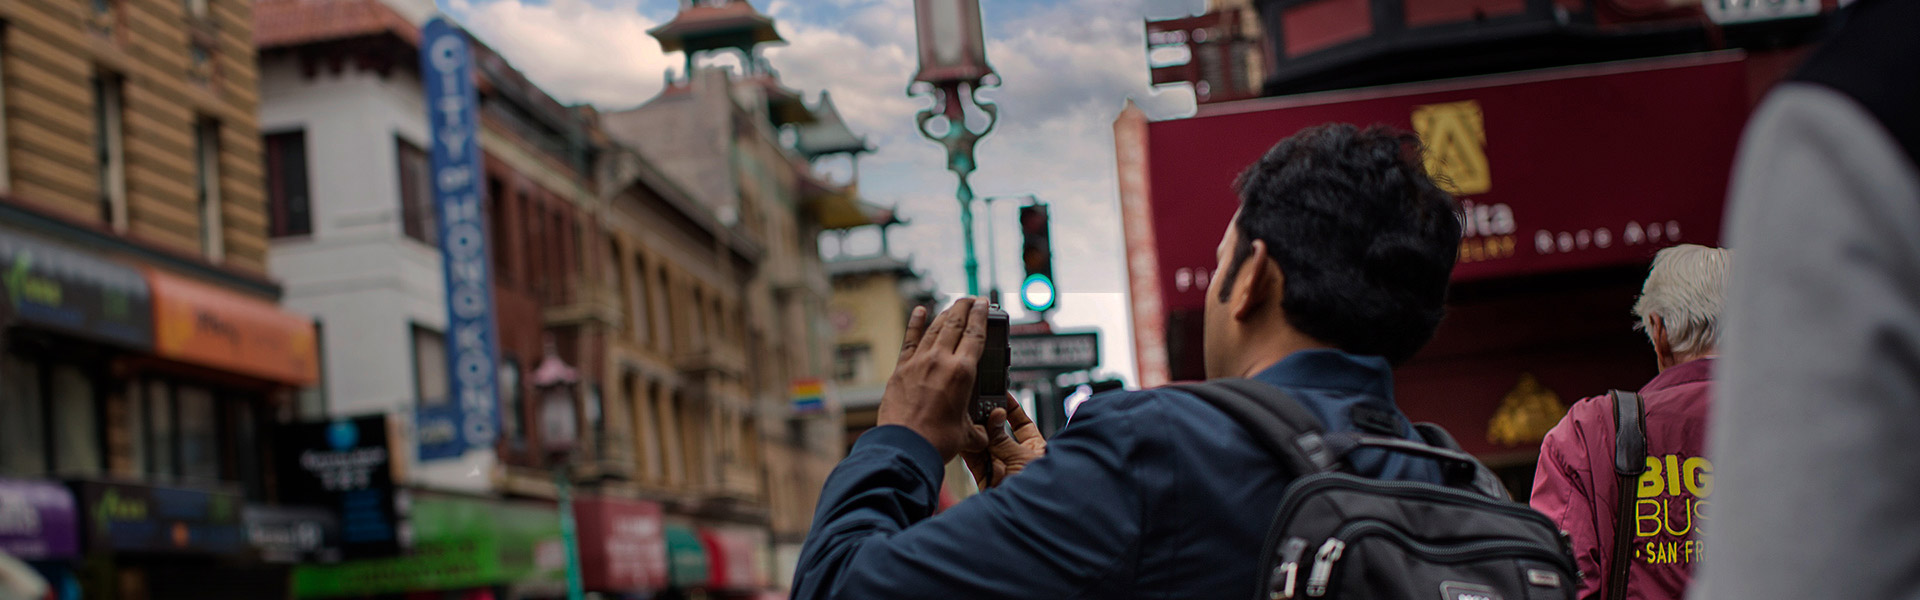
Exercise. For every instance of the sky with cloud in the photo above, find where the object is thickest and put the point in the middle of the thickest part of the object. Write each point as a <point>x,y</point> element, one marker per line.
<point>1067,66</point>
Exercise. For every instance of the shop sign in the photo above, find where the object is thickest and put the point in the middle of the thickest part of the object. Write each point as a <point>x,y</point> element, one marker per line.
<point>38,520</point>
<point>132,518</point>
<point>290,535</point>
<point>686,557</point>
<point>56,287</point>
<point>446,64</point>
<point>205,325</point>
<point>622,544</point>
<point>346,466</point>
<point>1548,179</point>
<point>736,557</point>
<point>458,543</point>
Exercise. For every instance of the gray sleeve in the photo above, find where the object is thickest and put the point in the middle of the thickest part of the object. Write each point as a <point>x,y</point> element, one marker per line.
<point>1815,440</point>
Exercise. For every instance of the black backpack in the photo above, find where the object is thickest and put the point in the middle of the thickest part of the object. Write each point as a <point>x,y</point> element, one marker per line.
<point>1340,535</point>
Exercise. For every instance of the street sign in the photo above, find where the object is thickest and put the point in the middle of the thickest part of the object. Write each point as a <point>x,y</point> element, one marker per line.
<point>1057,352</point>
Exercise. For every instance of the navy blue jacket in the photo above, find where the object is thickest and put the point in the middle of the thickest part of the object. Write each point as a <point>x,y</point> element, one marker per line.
<point>1148,494</point>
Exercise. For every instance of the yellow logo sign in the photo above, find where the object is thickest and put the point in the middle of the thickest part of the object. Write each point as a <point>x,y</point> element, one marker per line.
<point>1456,137</point>
<point>1527,413</point>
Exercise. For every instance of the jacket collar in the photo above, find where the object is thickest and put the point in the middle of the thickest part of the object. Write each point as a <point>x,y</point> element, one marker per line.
<point>1332,369</point>
<point>1696,370</point>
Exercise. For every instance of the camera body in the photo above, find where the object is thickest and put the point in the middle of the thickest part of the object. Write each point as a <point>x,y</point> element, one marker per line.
<point>990,378</point>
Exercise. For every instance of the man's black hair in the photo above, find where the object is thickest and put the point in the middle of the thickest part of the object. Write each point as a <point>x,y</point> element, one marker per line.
<point>1365,240</point>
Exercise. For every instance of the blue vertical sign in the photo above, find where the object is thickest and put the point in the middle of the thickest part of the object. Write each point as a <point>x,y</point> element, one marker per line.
<point>453,117</point>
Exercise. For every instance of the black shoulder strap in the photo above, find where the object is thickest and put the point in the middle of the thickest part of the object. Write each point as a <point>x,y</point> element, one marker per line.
<point>1629,460</point>
<point>1284,427</point>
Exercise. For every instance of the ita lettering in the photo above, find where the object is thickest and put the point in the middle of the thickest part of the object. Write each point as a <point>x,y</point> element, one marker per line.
<point>1671,508</point>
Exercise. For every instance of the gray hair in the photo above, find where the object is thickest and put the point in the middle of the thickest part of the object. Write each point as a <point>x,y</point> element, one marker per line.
<point>1687,288</point>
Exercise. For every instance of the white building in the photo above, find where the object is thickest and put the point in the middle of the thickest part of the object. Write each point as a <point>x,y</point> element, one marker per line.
<point>376,292</point>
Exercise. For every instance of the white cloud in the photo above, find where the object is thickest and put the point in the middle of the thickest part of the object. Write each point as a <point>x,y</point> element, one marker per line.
<point>577,50</point>
<point>1066,69</point>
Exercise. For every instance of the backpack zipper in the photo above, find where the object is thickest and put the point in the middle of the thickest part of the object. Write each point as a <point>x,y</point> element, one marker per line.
<point>1280,586</point>
<point>1302,488</point>
<point>1323,566</point>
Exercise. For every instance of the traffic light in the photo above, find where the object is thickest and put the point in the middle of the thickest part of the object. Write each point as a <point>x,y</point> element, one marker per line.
<point>1037,291</point>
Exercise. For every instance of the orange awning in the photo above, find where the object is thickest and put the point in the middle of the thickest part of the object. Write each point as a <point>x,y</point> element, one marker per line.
<point>202,324</point>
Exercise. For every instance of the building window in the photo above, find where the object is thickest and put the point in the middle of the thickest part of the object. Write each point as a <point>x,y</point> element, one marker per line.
<point>160,430</point>
<point>206,142</point>
<point>6,177</point>
<point>416,194</point>
<point>310,403</point>
<point>289,211</point>
<point>429,366</point>
<point>497,227</point>
<point>637,297</point>
<point>513,413</point>
<point>109,152</point>
<point>198,433</point>
<point>851,362</point>
<point>22,439</point>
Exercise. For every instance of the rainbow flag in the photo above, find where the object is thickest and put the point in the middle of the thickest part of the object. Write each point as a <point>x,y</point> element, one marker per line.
<point>809,396</point>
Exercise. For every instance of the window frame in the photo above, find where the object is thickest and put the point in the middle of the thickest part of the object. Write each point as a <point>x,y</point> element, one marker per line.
<point>110,161</point>
<point>277,147</point>
<point>206,142</point>
<point>417,219</point>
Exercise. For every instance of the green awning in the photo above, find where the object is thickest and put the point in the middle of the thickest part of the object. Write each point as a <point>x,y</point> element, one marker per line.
<point>686,557</point>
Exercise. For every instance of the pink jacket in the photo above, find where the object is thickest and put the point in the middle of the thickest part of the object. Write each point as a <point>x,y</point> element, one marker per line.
<point>1575,484</point>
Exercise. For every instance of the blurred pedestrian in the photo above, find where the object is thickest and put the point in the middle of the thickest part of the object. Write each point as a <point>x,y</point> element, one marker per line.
<point>1577,483</point>
<point>1818,483</point>
<point>1334,269</point>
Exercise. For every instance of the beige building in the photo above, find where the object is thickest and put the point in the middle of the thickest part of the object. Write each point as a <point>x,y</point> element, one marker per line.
<point>138,116</point>
<point>872,297</point>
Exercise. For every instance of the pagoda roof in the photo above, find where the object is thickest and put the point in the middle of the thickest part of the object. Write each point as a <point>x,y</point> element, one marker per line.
<point>708,24</point>
<point>828,134</point>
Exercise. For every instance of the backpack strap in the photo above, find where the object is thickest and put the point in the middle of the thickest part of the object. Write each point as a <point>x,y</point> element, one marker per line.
<point>1277,422</point>
<point>1629,460</point>
<point>1484,479</point>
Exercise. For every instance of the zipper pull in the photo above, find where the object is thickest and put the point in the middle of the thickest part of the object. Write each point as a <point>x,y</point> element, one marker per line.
<point>1323,567</point>
<point>1280,585</point>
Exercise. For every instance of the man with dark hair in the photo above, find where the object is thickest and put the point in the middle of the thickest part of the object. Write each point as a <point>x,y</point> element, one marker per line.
<point>1334,269</point>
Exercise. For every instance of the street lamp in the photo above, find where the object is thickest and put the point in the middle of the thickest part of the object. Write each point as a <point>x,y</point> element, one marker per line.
<point>559,434</point>
<point>953,55</point>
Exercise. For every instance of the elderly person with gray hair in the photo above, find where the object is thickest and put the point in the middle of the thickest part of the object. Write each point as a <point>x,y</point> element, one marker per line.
<point>1575,485</point>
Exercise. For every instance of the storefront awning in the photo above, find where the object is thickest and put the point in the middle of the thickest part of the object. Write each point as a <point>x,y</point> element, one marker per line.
<point>46,523</point>
<point>62,288</point>
<point>205,325</point>
<point>686,557</point>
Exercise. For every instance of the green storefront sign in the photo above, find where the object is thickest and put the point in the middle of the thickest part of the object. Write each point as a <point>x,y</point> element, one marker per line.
<point>458,543</point>
<point>686,557</point>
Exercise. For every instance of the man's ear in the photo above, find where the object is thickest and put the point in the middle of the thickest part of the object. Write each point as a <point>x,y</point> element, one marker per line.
<point>1662,346</point>
<point>1255,287</point>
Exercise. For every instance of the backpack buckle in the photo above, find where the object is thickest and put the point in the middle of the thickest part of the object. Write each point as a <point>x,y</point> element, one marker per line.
<point>1315,448</point>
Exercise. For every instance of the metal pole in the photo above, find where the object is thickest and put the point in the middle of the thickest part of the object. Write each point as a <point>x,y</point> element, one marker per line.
<point>965,195</point>
<point>575,586</point>
<point>993,266</point>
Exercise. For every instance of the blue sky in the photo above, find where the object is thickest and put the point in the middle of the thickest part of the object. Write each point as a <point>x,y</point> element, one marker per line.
<point>1066,66</point>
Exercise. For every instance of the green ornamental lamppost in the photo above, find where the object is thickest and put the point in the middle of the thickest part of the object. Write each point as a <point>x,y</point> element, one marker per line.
<point>953,58</point>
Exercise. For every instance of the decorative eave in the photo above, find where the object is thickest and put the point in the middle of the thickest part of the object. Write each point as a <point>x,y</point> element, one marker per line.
<point>834,207</point>
<point>828,134</point>
<point>732,24</point>
<point>785,106</point>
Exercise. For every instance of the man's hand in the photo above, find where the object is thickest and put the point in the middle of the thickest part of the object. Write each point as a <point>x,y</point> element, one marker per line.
<point>1006,454</point>
<point>933,382</point>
